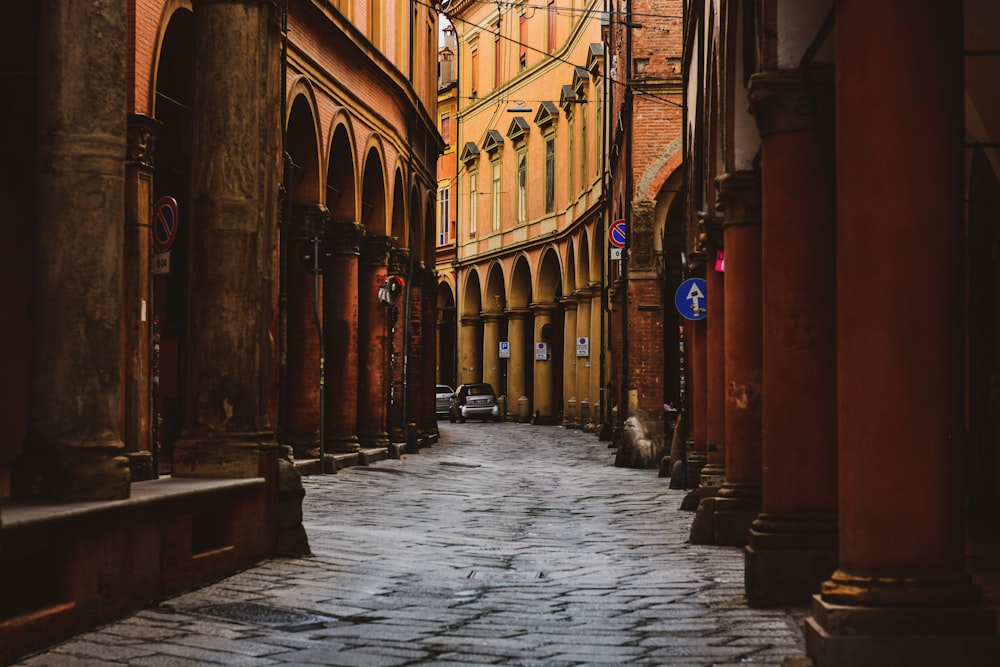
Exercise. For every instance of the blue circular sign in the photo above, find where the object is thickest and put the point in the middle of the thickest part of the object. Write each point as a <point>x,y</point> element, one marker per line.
<point>691,299</point>
<point>617,234</point>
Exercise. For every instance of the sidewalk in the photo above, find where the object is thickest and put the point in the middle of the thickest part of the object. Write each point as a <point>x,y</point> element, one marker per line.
<point>504,544</point>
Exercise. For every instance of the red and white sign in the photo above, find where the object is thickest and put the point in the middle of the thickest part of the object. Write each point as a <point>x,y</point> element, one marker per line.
<point>617,234</point>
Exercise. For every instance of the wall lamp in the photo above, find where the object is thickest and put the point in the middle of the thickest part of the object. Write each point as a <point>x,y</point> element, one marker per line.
<point>519,108</point>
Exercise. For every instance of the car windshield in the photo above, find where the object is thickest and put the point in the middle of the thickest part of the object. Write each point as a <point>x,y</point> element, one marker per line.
<point>443,389</point>
<point>480,390</point>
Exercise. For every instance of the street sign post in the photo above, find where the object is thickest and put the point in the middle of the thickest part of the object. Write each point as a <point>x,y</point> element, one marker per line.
<point>691,299</point>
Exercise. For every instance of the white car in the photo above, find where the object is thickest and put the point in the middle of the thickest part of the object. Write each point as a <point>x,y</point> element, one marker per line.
<point>442,399</point>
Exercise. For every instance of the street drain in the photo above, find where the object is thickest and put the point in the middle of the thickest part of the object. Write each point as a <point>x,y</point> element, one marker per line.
<point>279,618</point>
<point>456,464</point>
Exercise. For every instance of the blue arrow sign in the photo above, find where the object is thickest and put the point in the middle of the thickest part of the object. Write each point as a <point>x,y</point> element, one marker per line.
<point>691,299</point>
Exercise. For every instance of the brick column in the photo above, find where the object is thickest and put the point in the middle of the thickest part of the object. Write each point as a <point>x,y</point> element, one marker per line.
<point>235,172</point>
<point>571,402</point>
<point>738,501</point>
<point>792,545</point>
<point>415,387</point>
<point>74,448</point>
<point>301,427</point>
<point>714,472</point>
<point>900,594</point>
<point>341,313</point>
<point>399,265</point>
<point>542,368</point>
<point>139,165</point>
<point>517,364</point>
<point>373,346</point>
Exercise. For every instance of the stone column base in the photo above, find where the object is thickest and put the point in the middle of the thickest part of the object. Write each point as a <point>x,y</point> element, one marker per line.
<point>343,445</point>
<point>733,517</point>
<point>374,440</point>
<point>235,457</point>
<point>141,466</point>
<point>963,636</point>
<point>78,471</point>
<point>788,559</point>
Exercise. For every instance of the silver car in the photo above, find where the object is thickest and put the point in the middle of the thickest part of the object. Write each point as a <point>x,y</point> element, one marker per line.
<point>442,399</point>
<point>474,400</point>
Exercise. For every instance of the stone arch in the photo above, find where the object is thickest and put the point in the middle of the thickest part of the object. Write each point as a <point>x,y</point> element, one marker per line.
<point>341,180</point>
<point>548,329</point>
<point>172,101</point>
<point>520,294</point>
<point>173,11</point>
<point>583,261</point>
<point>471,329</point>
<point>373,213</point>
<point>446,330</point>
<point>302,146</point>
<point>494,296</point>
<point>399,225</point>
<point>548,281</point>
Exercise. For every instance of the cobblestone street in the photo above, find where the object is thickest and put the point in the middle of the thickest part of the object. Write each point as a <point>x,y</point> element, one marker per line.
<point>502,544</point>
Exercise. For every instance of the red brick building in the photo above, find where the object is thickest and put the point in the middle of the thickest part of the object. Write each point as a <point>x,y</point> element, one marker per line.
<point>644,42</point>
<point>155,402</point>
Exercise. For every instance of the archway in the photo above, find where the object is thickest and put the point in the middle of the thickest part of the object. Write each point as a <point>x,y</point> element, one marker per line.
<point>549,328</point>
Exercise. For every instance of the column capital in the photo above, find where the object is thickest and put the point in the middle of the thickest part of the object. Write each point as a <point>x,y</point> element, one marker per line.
<point>542,308</point>
<point>343,237</point>
<point>399,259</point>
<point>569,302</point>
<point>792,100</point>
<point>518,313</point>
<point>471,320</point>
<point>140,148</point>
<point>492,315</point>
<point>641,230</point>
<point>375,250</point>
<point>308,221</point>
<point>738,198</point>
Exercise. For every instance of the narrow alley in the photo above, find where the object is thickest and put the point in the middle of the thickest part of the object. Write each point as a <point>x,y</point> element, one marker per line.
<point>503,544</point>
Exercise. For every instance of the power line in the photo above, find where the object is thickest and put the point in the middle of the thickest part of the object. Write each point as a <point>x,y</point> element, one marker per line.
<point>529,47</point>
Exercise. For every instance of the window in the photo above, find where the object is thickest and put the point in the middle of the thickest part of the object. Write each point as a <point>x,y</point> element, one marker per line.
<point>551,41</point>
<point>474,71</point>
<point>496,191</point>
<point>446,129</point>
<point>522,39</point>
<point>522,186</point>
<point>496,60</point>
<point>444,215</point>
<point>473,203</point>
<point>570,165</point>
<point>550,174</point>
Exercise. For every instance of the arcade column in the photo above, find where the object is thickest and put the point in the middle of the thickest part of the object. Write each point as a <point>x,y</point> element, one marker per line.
<point>234,180</point>
<point>571,402</point>
<point>900,594</point>
<point>468,344</point>
<point>73,449</point>
<point>399,265</point>
<point>340,331</point>
<point>517,364</point>
<point>584,298</point>
<point>793,542</point>
<point>598,357</point>
<point>373,343</point>
<point>738,501</point>
<point>492,371</point>
<point>543,372</point>
<point>300,414</point>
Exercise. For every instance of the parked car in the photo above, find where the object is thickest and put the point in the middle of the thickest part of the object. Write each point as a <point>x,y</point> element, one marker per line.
<point>442,399</point>
<point>474,400</point>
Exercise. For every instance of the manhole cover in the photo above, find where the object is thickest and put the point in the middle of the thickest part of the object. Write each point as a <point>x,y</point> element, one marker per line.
<point>265,615</point>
